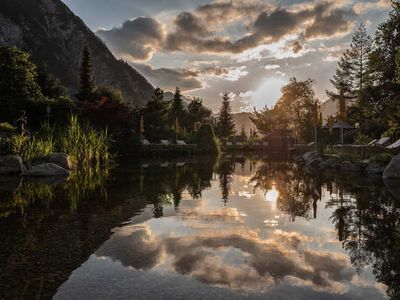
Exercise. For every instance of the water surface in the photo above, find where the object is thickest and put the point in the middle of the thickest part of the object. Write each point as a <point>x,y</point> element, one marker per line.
<point>231,228</point>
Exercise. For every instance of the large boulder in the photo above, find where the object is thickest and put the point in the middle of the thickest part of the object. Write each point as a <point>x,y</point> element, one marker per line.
<point>44,170</point>
<point>11,164</point>
<point>392,170</point>
<point>309,156</point>
<point>347,166</point>
<point>315,163</point>
<point>60,159</point>
<point>374,169</point>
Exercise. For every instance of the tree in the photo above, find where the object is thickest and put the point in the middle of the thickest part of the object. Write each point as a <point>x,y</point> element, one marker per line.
<point>107,110</point>
<point>155,117</point>
<point>353,74</point>
<point>206,139</point>
<point>226,124</point>
<point>360,50</point>
<point>177,109</point>
<point>51,86</point>
<point>297,105</point>
<point>18,82</point>
<point>87,83</point>
<point>197,113</point>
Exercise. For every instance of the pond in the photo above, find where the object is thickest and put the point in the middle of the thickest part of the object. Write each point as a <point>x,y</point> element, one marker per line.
<point>230,228</point>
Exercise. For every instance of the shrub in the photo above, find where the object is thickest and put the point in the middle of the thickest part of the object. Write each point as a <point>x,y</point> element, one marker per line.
<point>382,158</point>
<point>206,139</point>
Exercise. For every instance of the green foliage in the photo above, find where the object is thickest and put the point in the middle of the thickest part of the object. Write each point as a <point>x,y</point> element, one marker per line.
<point>176,110</point>
<point>197,113</point>
<point>362,139</point>
<point>294,110</point>
<point>50,86</point>
<point>87,83</point>
<point>18,82</point>
<point>155,117</point>
<point>226,124</point>
<point>382,158</point>
<point>206,139</point>
<point>84,144</point>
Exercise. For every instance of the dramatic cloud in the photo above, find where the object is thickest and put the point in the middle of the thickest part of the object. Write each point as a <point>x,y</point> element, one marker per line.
<point>259,264</point>
<point>169,79</point>
<point>136,39</point>
<point>333,24</point>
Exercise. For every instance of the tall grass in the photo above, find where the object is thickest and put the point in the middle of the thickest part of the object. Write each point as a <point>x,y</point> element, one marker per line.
<point>85,145</point>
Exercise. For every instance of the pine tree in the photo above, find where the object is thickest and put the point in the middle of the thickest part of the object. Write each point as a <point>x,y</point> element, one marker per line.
<point>226,124</point>
<point>87,83</point>
<point>155,116</point>
<point>177,109</point>
<point>360,49</point>
<point>342,80</point>
<point>352,74</point>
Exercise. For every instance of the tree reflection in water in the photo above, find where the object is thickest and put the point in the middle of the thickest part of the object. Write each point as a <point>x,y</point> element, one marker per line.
<point>366,215</point>
<point>67,221</point>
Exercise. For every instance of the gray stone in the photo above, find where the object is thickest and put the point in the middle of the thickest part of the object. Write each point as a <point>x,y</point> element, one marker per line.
<point>309,156</point>
<point>347,166</point>
<point>315,163</point>
<point>44,170</point>
<point>392,170</point>
<point>374,169</point>
<point>60,159</point>
<point>11,164</point>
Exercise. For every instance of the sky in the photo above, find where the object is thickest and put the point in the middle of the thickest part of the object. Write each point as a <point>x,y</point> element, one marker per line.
<point>248,48</point>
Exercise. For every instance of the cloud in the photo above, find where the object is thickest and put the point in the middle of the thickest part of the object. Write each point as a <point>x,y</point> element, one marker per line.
<point>169,79</point>
<point>135,40</point>
<point>362,7</point>
<point>272,67</point>
<point>333,24</point>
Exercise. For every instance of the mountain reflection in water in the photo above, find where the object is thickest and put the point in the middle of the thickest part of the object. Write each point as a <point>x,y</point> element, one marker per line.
<point>217,229</point>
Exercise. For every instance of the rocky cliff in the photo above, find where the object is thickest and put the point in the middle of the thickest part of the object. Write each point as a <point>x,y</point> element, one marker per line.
<point>55,36</point>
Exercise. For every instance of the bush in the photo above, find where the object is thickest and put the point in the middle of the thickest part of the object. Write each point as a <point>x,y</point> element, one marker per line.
<point>382,158</point>
<point>206,139</point>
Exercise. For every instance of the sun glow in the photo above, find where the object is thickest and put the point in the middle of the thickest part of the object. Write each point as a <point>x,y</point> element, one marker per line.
<point>272,195</point>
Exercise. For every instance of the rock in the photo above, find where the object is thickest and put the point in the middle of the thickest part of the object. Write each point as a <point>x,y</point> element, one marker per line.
<point>393,186</point>
<point>60,159</point>
<point>392,170</point>
<point>347,166</point>
<point>11,164</point>
<point>309,156</point>
<point>44,170</point>
<point>374,169</point>
<point>315,163</point>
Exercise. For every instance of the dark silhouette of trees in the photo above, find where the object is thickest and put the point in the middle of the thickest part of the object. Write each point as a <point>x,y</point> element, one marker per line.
<point>226,124</point>
<point>87,82</point>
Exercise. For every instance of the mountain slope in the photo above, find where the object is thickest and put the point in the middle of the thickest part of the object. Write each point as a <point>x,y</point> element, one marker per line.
<point>56,37</point>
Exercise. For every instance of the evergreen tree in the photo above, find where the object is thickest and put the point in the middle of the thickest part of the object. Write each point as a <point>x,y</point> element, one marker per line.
<point>342,80</point>
<point>352,74</point>
<point>177,109</point>
<point>51,86</point>
<point>87,83</point>
<point>226,124</point>
<point>155,117</point>
<point>197,113</point>
<point>360,50</point>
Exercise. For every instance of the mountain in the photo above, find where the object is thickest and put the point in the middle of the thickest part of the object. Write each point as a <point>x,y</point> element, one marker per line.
<point>56,37</point>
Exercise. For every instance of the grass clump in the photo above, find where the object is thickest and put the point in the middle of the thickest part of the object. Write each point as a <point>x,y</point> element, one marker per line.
<point>84,144</point>
<point>382,158</point>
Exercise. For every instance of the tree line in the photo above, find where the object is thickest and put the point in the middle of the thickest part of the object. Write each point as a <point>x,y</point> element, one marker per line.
<point>366,88</point>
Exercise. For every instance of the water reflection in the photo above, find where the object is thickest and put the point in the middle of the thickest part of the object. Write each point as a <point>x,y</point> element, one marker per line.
<point>230,228</point>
